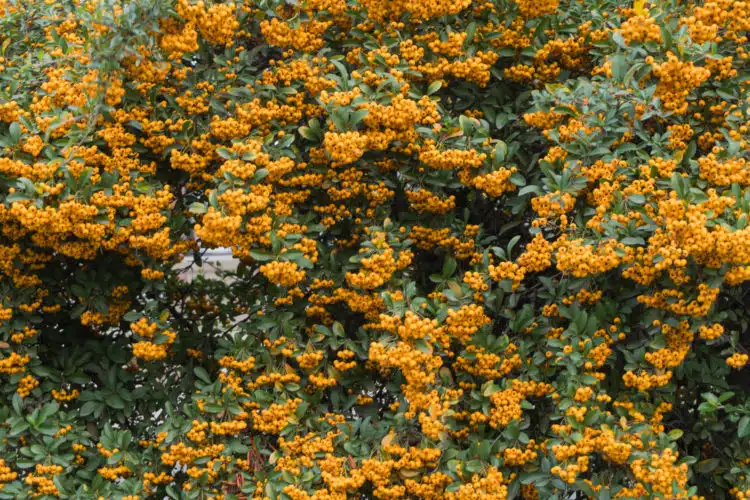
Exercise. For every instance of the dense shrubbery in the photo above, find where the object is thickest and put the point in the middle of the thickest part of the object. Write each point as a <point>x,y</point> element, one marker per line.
<point>489,249</point>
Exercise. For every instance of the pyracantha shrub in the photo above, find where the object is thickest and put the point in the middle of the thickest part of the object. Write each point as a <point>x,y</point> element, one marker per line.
<point>486,249</point>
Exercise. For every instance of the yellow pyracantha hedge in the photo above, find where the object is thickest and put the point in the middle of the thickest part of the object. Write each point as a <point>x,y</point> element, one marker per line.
<point>488,249</point>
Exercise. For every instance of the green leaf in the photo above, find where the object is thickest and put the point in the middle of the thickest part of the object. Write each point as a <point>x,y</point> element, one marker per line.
<point>38,451</point>
<point>638,199</point>
<point>470,30</point>
<point>501,151</point>
<point>261,256</point>
<point>202,374</point>
<point>132,316</point>
<point>340,120</point>
<point>707,465</point>
<point>675,434</point>
<point>307,133</point>
<point>619,67</point>
<point>357,116</point>
<point>531,189</point>
<point>116,402</point>
<point>633,240</point>
<point>449,266</point>
<point>743,427</point>
<point>517,179</point>
<point>226,153</point>
<point>198,208</point>
<point>619,40</point>
<point>17,196</point>
<point>434,87</point>
<point>489,388</point>
<point>512,243</point>
<point>338,329</point>
<point>474,466</point>
<point>212,407</point>
<point>565,110</point>
<point>15,132</point>
<point>17,403</point>
<point>89,407</point>
<point>423,346</point>
<point>301,409</point>
<point>260,174</point>
<point>48,410</point>
<point>466,123</point>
